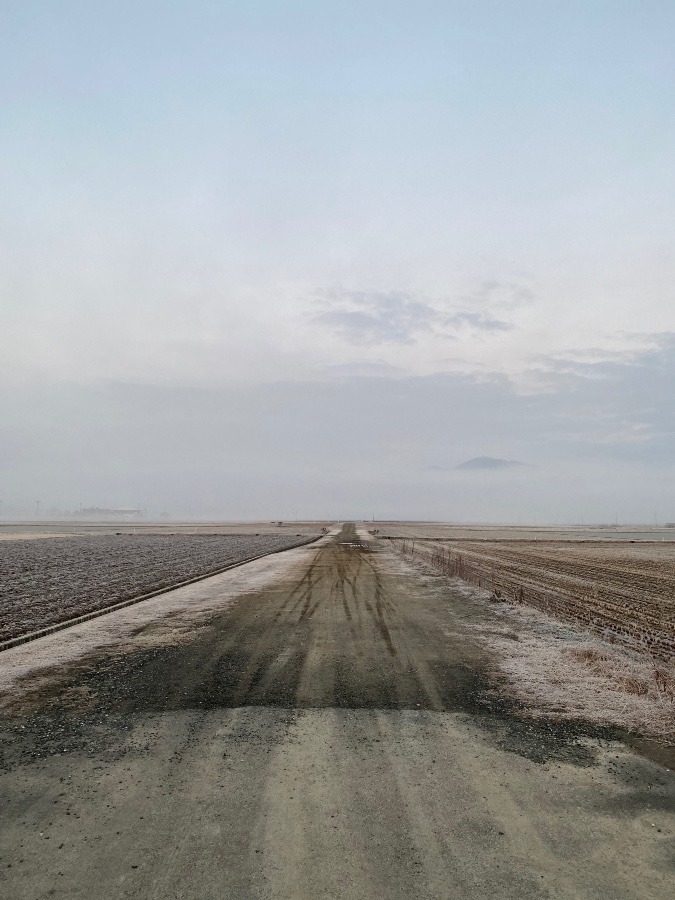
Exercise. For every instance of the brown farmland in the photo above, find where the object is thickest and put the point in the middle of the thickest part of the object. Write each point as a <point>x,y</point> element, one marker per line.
<point>623,591</point>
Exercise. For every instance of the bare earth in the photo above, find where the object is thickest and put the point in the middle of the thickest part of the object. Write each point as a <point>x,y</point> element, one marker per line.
<point>445,532</point>
<point>12,531</point>
<point>331,730</point>
<point>622,590</point>
<point>43,582</point>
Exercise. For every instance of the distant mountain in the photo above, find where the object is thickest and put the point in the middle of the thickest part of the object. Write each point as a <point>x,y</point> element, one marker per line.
<point>490,463</point>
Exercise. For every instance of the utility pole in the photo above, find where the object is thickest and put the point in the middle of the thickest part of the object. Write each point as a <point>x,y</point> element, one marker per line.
<point>37,509</point>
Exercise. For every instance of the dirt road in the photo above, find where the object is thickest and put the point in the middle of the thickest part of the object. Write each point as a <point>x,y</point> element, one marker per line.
<point>335,734</point>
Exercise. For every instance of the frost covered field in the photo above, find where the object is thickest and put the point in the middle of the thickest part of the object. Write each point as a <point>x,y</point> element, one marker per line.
<point>625,591</point>
<point>48,580</point>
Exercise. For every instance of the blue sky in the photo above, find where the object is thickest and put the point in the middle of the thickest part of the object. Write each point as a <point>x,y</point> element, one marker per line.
<point>231,197</point>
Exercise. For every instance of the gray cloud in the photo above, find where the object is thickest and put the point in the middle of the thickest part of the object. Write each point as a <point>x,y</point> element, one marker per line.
<point>501,295</point>
<point>364,368</point>
<point>370,318</point>
<point>625,400</point>
<point>476,322</point>
<point>363,317</point>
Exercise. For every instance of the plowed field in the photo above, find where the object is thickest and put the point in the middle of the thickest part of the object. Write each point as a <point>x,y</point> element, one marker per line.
<point>43,582</point>
<point>624,591</point>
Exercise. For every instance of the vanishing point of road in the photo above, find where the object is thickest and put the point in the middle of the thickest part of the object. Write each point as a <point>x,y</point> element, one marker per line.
<point>335,733</point>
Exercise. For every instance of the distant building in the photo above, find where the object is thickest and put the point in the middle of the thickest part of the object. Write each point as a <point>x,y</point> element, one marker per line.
<point>102,512</point>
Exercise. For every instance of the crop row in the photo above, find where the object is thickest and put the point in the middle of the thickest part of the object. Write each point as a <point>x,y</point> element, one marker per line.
<point>50,580</point>
<point>615,597</point>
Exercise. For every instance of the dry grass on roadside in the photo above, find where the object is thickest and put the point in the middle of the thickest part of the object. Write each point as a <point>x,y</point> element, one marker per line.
<point>563,671</point>
<point>560,670</point>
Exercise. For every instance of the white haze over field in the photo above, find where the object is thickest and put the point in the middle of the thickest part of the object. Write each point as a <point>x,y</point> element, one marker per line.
<point>290,259</point>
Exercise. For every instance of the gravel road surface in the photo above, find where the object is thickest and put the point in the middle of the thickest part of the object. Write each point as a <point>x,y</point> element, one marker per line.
<point>333,733</point>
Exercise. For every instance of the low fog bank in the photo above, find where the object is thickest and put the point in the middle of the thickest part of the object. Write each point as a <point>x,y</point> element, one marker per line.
<point>357,447</point>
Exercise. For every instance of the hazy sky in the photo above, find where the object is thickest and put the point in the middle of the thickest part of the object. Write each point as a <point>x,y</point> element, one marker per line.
<point>265,258</point>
